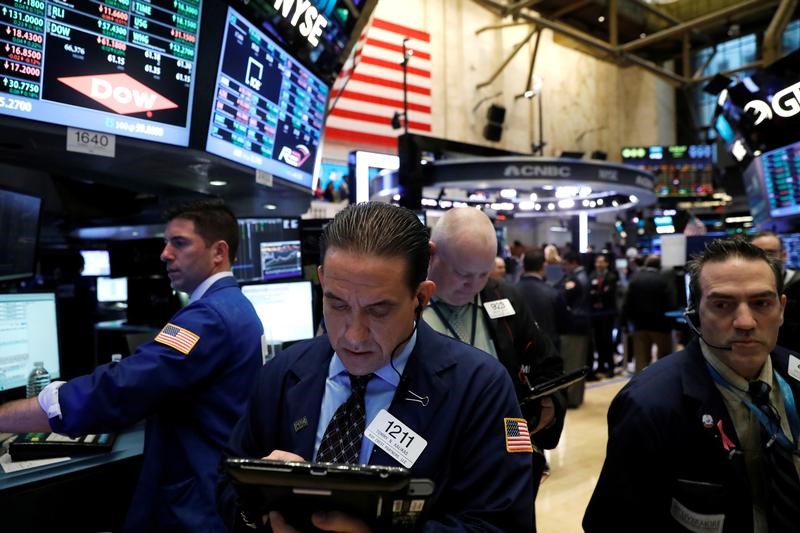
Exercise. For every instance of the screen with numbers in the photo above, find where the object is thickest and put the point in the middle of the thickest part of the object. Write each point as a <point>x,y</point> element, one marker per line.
<point>680,170</point>
<point>114,66</point>
<point>268,109</point>
<point>780,171</point>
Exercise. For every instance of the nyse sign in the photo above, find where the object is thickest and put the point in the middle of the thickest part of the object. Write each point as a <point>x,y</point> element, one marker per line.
<point>313,21</point>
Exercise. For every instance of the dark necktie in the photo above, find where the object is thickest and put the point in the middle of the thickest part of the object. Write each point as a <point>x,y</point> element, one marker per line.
<point>341,442</point>
<point>783,486</point>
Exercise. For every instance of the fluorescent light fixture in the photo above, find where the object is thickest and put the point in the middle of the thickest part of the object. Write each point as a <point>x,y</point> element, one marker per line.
<point>217,183</point>
<point>736,220</point>
<point>566,203</point>
<point>270,207</point>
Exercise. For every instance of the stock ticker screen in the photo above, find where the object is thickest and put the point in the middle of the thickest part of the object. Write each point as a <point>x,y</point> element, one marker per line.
<point>268,109</point>
<point>115,66</point>
<point>680,170</point>
<point>781,171</point>
<point>269,248</point>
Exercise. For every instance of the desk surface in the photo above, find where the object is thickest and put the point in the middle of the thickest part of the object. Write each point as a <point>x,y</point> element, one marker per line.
<point>129,443</point>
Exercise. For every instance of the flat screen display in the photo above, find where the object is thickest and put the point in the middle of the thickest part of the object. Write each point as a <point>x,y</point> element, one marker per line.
<point>19,223</point>
<point>95,263</point>
<point>791,243</point>
<point>30,333</point>
<point>268,109</point>
<point>285,310</point>
<point>117,66</point>
<point>780,170</point>
<point>680,170</point>
<point>269,248</point>
<point>112,290</point>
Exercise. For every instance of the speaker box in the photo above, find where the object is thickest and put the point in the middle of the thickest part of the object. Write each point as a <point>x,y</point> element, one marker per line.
<point>495,115</point>
<point>492,132</point>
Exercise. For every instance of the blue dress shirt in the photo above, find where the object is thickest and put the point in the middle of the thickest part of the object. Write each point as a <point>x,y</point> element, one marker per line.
<point>379,394</point>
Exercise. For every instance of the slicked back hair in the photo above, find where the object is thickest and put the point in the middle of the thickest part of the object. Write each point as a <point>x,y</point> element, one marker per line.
<point>720,250</point>
<point>213,221</point>
<point>381,230</point>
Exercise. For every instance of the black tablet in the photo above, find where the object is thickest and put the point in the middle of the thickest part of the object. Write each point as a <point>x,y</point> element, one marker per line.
<point>385,497</point>
<point>556,384</point>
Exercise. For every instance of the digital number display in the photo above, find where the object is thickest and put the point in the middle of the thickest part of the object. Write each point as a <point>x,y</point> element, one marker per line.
<point>115,66</point>
<point>680,170</point>
<point>781,171</point>
<point>268,109</point>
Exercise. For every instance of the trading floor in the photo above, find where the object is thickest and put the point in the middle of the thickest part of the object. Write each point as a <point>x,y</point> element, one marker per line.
<point>575,464</point>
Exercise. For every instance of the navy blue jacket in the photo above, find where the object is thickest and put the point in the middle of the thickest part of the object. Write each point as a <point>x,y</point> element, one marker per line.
<point>660,451</point>
<point>191,403</point>
<point>478,484</point>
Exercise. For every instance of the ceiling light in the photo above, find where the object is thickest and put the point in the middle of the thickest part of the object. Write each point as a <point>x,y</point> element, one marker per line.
<point>217,183</point>
<point>551,206</point>
<point>599,201</point>
<point>538,207</point>
<point>642,35</point>
<point>508,193</point>
<point>526,206</point>
<point>270,207</point>
<point>634,199</point>
<point>567,203</point>
<point>601,18</point>
<point>534,197</point>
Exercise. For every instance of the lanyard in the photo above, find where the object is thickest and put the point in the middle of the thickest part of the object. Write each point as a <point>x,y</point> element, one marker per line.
<point>449,326</point>
<point>767,423</point>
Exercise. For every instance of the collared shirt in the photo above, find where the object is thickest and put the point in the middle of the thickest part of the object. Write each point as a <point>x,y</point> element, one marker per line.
<point>48,398</point>
<point>203,287</point>
<point>379,394</point>
<point>748,429</point>
<point>460,319</point>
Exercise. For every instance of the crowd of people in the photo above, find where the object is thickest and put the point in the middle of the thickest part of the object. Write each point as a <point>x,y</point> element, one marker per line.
<point>425,328</point>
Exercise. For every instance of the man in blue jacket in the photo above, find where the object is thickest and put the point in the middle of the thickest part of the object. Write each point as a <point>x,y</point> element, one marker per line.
<point>456,401</point>
<point>191,382</point>
<point>706,439</point>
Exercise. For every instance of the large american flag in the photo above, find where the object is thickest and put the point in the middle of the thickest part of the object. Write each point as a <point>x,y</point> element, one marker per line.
<point>362,110</point>
<point>518,439</point>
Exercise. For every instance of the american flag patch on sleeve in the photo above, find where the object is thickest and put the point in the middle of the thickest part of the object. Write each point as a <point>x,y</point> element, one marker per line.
<point>517,437</point>
<point>176,337</point>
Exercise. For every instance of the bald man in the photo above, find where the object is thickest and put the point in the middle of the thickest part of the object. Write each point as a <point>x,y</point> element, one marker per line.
<point>491,315</point>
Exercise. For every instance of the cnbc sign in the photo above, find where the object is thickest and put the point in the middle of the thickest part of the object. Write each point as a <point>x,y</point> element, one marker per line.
<point>309,19</point>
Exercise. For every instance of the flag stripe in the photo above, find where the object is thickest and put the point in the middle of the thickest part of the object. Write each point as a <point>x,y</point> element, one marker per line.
<point>403,30</point>
<point>360,137</point>
<point>397,48</point>
<point>388,102</point>
<point>387,92</point>
<point>369,60</point>
<point>377,119</point>
<point>390,83</point>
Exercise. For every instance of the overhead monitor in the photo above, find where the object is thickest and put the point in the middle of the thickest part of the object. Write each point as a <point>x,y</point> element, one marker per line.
<point>780,172</point>
<point>680,170</point>
<point>791,243</point>
<point>121,66</point>
<point>29,334</point>
<point>268,110</point>
<point>285,310</point>
<point>269,248</point>
<point>112,290</point>
<point>95,263</point>
<point>19,232</point>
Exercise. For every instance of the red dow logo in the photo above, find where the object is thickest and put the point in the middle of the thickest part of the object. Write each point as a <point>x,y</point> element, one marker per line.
<point>119,92</point>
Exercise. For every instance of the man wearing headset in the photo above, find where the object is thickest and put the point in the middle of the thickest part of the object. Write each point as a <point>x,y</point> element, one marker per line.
<point>706,438</point>
<point>456,401</point>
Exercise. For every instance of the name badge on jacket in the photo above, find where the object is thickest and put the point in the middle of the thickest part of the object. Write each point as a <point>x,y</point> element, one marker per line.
<point>499,308</point>
<point>395,438</point>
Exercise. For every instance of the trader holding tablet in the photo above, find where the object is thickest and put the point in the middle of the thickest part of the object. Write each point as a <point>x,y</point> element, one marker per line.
<point>331,399</point>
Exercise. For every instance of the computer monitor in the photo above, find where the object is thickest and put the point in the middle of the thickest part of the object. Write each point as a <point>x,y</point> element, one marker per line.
<point>111,290</point>
<point>791,243</point>
<point>285,309</point>
<point>29,334</point>
<point>19,220</point>
<point>95,263</point>
<point>269,248</point>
